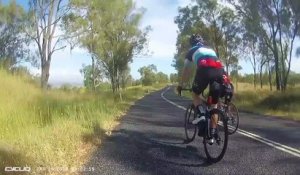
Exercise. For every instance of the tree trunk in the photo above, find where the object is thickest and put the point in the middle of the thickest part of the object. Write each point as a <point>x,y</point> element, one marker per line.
<point>262,63</point>
<point>113,84</point>
<point>93,74</point>
<point>119,84</point>
<point>227,67</point>
<point>45,74</point>
<point>277,73</point>
<point>254,79</point>
<point>282,73</point>
<point>281,57</point>
<point>260,78</point>
<point>254,65</point>
<point>236,83</point>
<point>270,76</point>
<point>290,58</point>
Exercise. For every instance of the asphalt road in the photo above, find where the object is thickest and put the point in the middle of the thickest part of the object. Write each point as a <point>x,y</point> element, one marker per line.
<point>150,140</point>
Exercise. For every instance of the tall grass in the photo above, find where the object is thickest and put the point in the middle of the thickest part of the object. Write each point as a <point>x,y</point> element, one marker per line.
<point>263,101</point>
<point>55,128</point>
<point>281,104</point>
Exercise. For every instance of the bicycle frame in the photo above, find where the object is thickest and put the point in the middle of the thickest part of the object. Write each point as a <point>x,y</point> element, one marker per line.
<point>207,135</point>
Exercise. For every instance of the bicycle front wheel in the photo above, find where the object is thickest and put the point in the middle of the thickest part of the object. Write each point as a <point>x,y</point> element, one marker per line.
<point>215,151</point>
<point>189,127</point>
<point>232,118</point>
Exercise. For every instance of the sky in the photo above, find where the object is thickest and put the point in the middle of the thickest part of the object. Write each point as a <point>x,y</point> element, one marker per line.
<point>160,16</point>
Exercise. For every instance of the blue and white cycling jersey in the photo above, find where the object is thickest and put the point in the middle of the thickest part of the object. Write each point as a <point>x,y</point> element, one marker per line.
<point>203,57</point>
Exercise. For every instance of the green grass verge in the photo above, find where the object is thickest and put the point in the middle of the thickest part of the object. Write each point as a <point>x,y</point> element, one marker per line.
<point>56,128</point>
<point>284,105</point>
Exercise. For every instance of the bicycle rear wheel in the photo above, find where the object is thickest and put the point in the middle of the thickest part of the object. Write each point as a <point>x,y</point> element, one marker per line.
<point>216,151</point>
<point>190,129</point>
<point>232,118</point>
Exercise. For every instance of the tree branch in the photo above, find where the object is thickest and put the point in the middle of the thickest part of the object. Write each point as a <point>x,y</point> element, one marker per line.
<point>57,49</point>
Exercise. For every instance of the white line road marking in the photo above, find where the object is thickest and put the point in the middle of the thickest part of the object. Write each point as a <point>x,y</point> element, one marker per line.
<point>284,148</point>
<point>178,106</point>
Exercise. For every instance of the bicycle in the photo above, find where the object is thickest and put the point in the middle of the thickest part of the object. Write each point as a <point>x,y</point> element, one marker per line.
<point>212,155</point>
<point>231,113</point>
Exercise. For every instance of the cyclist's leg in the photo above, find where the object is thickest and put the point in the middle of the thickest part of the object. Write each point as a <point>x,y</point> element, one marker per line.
<point>215,76</point>
<point>215,96</point>
<point>196,99</point>
<point>199,84</point>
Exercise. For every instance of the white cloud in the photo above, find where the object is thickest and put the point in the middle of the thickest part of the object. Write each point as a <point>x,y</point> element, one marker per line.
<point>60,76</point>
<point>66,65</point>
<point>295,65</point>
<point>35,71</point>
<point>160,16</point>
<point>78,50</point>
<point>183,3</point>
<point>161,50</point>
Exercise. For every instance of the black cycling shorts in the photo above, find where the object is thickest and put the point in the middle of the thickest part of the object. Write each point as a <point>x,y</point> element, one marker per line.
<point>205,76</point>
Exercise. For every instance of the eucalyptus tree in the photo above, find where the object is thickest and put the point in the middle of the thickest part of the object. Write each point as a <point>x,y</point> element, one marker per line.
<point>292,29</point>
<point>89,81</point>
<point>162,77</point>
<point>265,60</point>
<point>173,77</point>
<point>80,28</point>
<point>110,31</point>
<point>278,26</point>
<point>126,79</point>
<point>120,38</point>
<point>13,49</point>
<point>217,25</point>
<point>148,74</point>
<point>230,36</point>
<point>44,19</point>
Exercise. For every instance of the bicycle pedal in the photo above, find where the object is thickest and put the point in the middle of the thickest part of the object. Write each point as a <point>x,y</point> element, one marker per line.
<point>211,141</point>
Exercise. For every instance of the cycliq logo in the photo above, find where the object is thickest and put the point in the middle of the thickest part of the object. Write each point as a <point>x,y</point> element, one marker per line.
<point>17,169</point>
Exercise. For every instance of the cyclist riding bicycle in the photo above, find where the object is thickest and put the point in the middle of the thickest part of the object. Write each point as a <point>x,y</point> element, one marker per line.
<point>209,71</point>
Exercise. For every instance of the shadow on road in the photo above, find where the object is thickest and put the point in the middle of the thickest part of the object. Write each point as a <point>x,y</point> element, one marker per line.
<point>136,150</point>
<point>160,150</point>
<point>150,139</point>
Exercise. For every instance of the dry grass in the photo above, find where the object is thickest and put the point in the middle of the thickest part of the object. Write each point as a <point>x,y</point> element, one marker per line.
<point>281,104</point>
<point>55,128</point>
<point>263,101</point>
